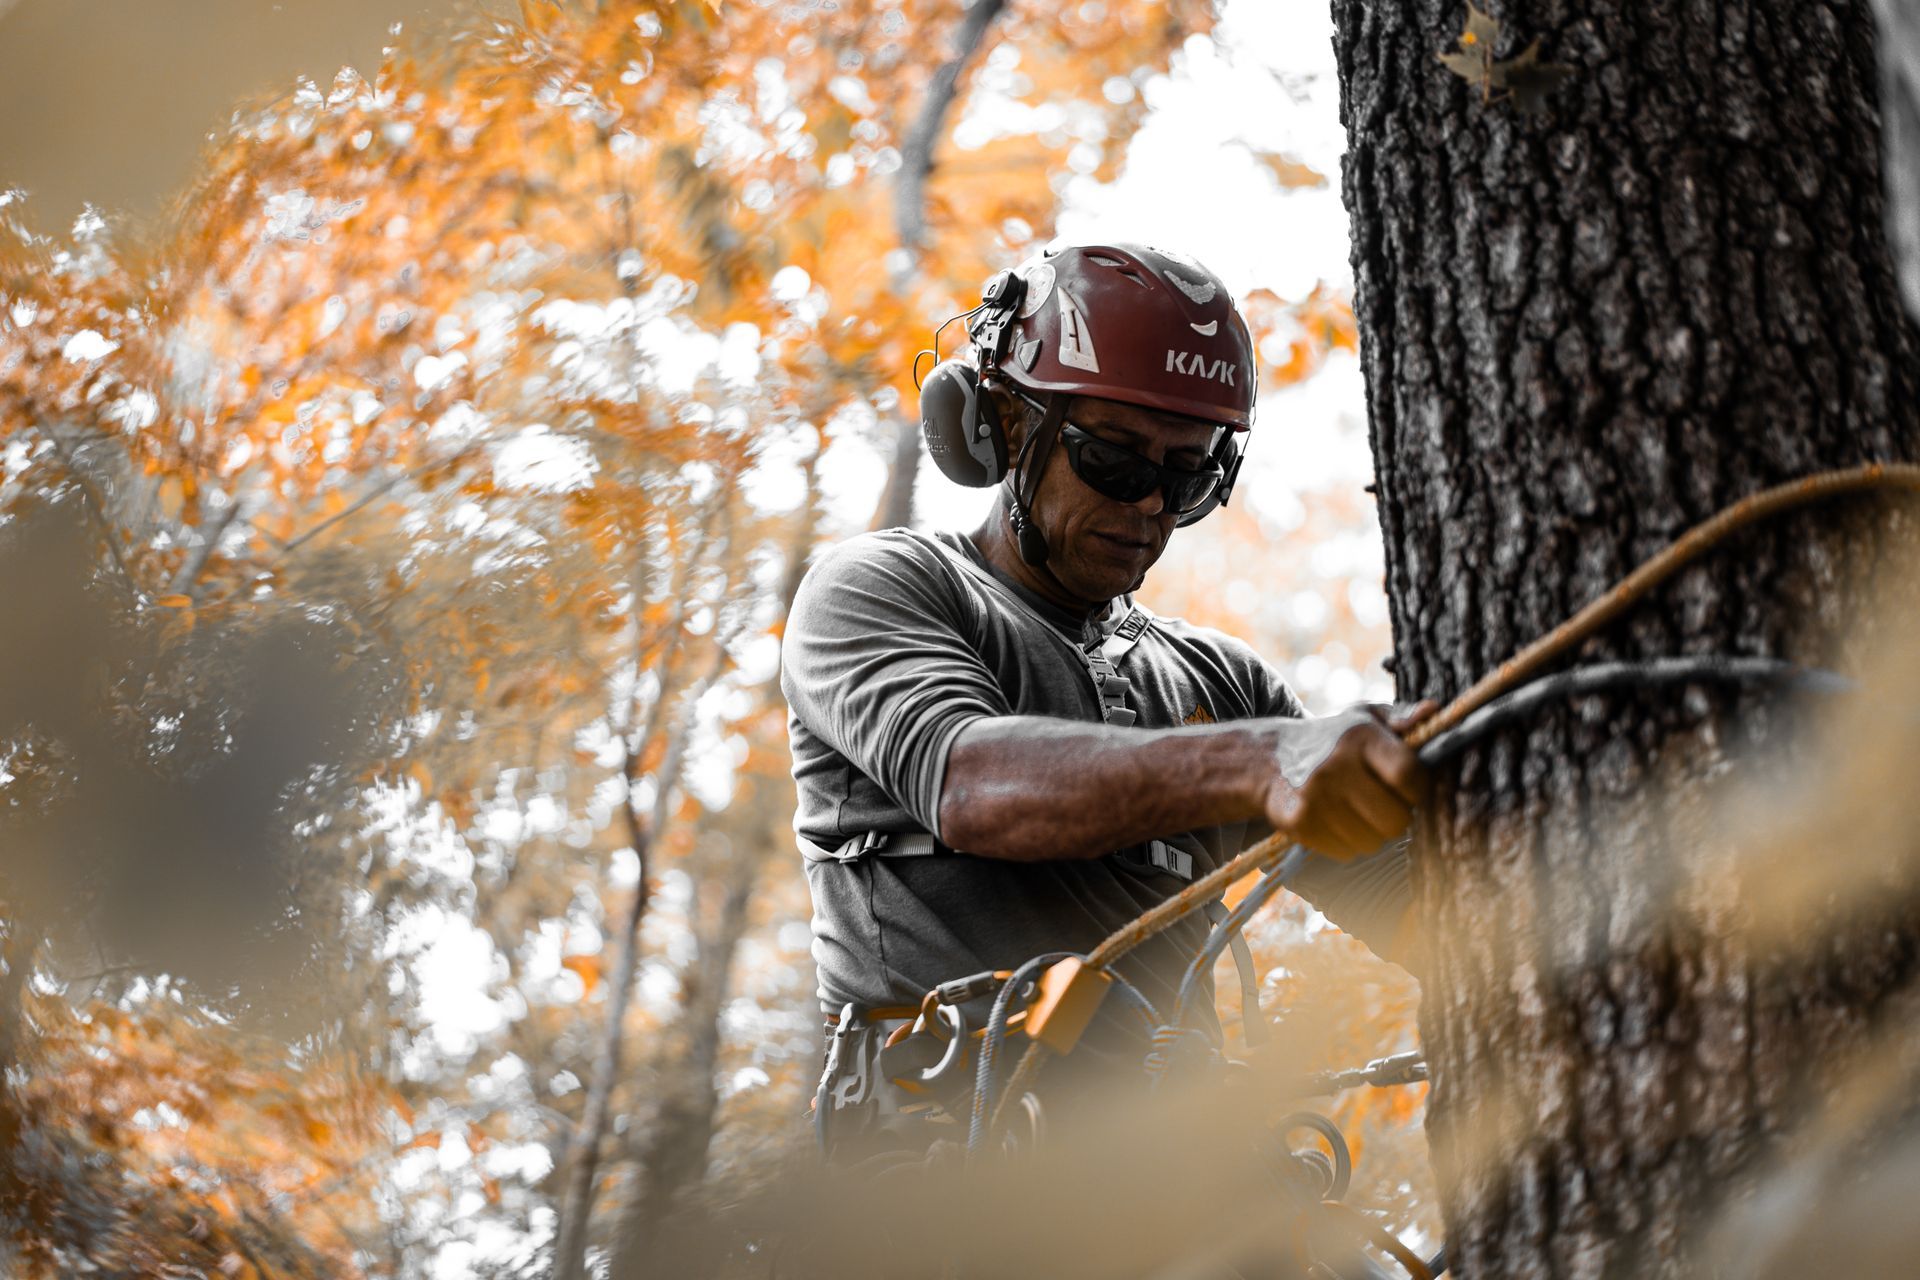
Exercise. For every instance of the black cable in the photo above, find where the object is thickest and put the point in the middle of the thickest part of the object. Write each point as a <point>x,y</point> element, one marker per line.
<point>1603,677</point>
<point>1503,712</point>
<point>1272,880</point>
<point>996,1031</point>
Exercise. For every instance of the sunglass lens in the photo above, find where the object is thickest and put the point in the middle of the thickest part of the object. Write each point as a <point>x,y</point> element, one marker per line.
<point>1188,492</point>
<point>1115,472</point>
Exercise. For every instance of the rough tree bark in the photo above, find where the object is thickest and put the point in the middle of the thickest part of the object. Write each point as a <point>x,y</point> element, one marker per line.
<point>1583,331</point>
<point>1900,110</point>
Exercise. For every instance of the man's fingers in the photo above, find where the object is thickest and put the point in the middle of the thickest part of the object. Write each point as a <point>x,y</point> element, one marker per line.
<point>1403,722</point>
<point>1384,811</point>
<point>1338,832</point>
<point>1396,765</point>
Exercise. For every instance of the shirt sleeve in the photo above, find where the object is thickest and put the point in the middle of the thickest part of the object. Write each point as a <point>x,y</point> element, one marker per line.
<point>878,659</point>
<point>1367,897</point>
<point>1276,698</point>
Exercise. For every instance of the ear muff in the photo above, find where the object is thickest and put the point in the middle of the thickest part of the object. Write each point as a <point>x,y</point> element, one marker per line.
<point>961,426</point>
<point>1235,456</point>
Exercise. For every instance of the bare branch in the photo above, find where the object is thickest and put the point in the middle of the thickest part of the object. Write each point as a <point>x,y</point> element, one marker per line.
<point>916,149</point>
<point>374,495</point>
<point>95,504</point>
<point>576,1207</point>
<point>183,581</point>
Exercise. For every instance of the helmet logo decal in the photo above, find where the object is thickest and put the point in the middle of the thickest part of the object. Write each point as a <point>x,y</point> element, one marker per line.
<point>1206,330</point>
<point>1201,293</point>
<point>1199,366</point>
<point>1039,285</point>
<point>1076,344</point>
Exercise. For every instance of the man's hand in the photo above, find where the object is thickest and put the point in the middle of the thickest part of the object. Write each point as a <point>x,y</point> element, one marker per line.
<point>1345,784</point>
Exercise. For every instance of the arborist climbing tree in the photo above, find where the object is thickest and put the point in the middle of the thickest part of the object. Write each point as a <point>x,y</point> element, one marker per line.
<point>1617,266</point>
<point>999,754</point>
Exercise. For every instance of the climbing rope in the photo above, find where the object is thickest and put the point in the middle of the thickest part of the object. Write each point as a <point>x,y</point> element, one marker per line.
<point>1509,676</point>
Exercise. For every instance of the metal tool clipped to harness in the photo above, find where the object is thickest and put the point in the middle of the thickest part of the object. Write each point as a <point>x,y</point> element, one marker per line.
<point>1069,995</point>
<point>847,1077</point>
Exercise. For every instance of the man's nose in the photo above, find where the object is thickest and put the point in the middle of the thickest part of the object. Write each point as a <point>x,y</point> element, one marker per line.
<point>1154,503</point>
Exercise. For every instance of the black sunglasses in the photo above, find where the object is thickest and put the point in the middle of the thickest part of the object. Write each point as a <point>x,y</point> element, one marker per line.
<point>1123,475</point>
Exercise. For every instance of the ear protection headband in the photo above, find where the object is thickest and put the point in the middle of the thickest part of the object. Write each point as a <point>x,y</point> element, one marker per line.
<point>962,428</point>
<point>967,439</point>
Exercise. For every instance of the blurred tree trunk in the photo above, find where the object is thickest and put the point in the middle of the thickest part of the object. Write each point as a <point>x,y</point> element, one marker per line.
<point>895,509</point>
<point>1900,111</point>
<point>672,1154</point>
<point>671,1151</point>
<point>1584,331</point>
<point>917,164</point>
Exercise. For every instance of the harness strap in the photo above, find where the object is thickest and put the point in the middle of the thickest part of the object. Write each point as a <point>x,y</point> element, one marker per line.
<point>881,844</point>
<point>1152,855</point>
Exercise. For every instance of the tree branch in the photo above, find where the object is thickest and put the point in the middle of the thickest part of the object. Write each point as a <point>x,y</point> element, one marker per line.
<point>190,570</point>
<point>374,495</point>
<point>96,506</point>
<point>583,1150</point>
<point>916,149</point>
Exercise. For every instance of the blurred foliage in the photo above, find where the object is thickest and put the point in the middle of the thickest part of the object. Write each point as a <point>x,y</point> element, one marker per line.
<point>408,524</point>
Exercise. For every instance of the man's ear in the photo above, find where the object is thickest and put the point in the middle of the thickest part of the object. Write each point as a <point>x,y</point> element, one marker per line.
<point>1010,412</point>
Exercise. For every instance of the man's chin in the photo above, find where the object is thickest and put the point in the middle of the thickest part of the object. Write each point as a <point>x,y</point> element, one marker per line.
<point>1107,581</point>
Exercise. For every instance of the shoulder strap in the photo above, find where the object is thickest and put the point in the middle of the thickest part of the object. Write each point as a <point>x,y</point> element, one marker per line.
<point>1127,634</point>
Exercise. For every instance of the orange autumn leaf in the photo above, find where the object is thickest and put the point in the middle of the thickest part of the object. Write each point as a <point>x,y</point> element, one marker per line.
<point>427,1140</point>
<point>587,966</point>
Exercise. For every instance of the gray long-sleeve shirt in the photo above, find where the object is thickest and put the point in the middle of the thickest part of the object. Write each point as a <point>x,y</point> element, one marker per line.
<point>899,640</point>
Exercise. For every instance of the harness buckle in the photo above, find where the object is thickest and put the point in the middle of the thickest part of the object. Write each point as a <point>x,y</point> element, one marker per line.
<point>1169,859</point>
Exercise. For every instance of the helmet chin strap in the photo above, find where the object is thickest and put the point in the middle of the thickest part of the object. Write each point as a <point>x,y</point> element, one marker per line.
<point>1023,481</point>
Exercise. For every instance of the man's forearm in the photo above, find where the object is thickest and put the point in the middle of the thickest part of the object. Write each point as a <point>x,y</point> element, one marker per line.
<point>1028,787</point>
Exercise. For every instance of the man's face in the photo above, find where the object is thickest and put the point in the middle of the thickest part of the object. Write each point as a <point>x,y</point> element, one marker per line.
<point>1100,547</point>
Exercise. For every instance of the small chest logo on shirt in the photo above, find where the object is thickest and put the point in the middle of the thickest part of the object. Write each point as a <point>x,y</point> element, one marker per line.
<point>1199,715</point>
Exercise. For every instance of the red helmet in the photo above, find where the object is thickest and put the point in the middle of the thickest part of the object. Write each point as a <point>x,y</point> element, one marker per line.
<point>1125,322</point>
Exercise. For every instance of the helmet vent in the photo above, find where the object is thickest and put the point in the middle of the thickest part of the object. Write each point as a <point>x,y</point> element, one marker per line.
<point>1122,265</point>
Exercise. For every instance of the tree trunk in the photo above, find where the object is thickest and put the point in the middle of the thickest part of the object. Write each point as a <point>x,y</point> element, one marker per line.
<point>895,508</point>
<point>1900,111</point>
<point>672,1154</point>
<point>1583,331</point>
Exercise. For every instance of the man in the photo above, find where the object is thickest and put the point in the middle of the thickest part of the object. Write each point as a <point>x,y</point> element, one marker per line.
<point>998,753</point>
